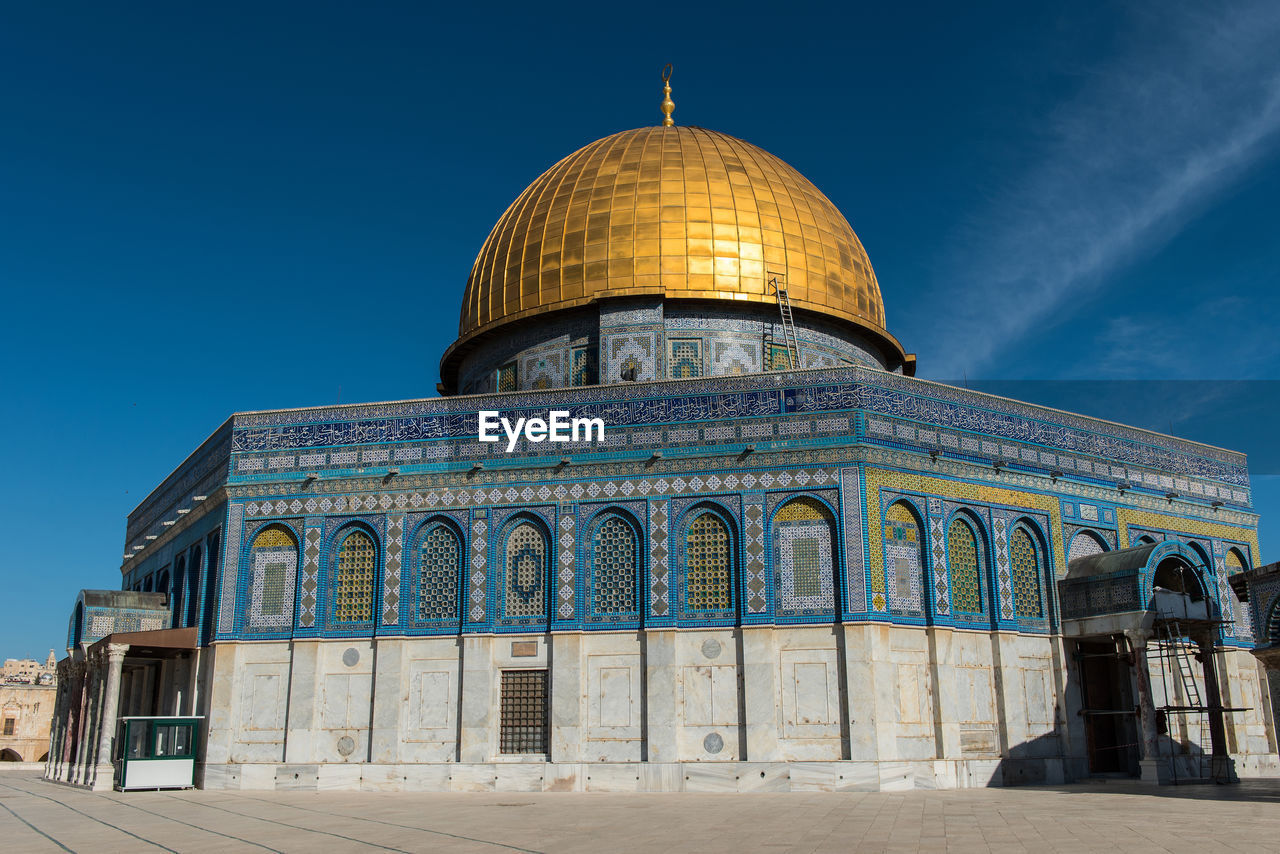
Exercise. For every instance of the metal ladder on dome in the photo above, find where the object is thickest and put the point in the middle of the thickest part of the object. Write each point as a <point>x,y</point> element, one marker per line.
<point>1176,653</point>
<point>789,339</point>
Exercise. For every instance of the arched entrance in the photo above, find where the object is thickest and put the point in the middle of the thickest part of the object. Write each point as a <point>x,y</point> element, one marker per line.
<point>8,755</point>
<point>1178,592</point>
<point>1145,624</point>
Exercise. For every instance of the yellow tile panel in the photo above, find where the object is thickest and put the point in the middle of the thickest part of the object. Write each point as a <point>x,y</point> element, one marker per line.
<point>951,490</point>
<point>1127,516</point>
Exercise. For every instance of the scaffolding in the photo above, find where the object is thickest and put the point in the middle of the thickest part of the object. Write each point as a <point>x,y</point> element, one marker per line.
<point>1177,654</point>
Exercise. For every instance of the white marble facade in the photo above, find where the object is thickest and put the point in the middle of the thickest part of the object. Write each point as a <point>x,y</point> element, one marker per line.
<point>866,706</point>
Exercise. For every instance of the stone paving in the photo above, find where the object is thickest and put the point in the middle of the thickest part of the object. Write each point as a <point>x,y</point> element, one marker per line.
<point>36,816</point>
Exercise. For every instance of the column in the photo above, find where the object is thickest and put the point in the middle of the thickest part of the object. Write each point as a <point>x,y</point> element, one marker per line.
<point>1154,768</point>
<point>1220,764</point>
<point>478,724</point>
<point>760,693</point>
<point>946,712</point>
<point>860,691</point>
<point>388,693</point>
<point>108,709</point>
<point>58,729</point>
<point>300,728</point>
<point>566,697</point>
<point>83,708</point>
<point>661,722</point>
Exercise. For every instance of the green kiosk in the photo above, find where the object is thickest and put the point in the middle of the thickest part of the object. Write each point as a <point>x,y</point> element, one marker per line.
<point>156,752</point>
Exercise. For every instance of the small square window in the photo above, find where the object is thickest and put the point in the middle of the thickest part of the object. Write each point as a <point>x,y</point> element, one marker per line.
<point>524,712</point>
<point>507,377</point>
<point>685,359</point>
<point>583,366</point>
<point>779,358</point>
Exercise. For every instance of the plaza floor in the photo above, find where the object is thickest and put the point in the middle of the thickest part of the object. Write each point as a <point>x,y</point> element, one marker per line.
<point>36,816</point>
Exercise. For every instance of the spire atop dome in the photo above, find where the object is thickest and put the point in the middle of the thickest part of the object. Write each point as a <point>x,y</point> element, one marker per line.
<point>668,105</point>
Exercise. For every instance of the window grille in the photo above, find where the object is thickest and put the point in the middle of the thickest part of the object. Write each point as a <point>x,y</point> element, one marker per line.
<point>707,564</point>
<point>1026,575</point>
<point>357,570</point>
<point>686,359</point>
<point>440,558</point>
<point>524,712</point>
<point>526,566</point>
<point>962,556</point>
<point>583,366</point>
<point>613,562</point>
<point>507,377</point>
<point>779,358</point>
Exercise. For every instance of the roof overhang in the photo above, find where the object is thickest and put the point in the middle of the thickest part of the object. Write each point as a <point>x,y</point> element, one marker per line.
<point>160,643</point>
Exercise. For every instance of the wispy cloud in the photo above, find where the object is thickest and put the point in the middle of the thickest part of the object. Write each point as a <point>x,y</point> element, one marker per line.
<point>1150,137</point>
<point>1217,337</point>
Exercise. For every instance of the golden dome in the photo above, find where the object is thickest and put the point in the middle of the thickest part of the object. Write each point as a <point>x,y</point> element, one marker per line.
<point>679,212</point>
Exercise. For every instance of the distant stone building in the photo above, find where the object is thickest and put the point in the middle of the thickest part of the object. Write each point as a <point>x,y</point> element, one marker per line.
<point>28,671</point>
<point>27,692</point>
<point>788,563</point>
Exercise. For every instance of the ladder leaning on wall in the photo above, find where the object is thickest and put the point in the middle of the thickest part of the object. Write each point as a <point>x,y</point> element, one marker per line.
<point>789,339</point>
<point>1177,662</point>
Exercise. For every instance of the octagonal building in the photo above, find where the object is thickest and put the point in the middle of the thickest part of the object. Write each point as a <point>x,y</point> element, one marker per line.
<point>782,562</point>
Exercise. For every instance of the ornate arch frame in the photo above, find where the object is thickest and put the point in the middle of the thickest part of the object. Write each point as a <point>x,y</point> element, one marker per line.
<point>917,506</point>
<point>1040,543</point>
<point>344,529</point>
<point>591,521</point>
<point>251,590</point>
<point>498,578</point>
<point>680,532</point>
<point>411,597</point>
<point>987,588</point>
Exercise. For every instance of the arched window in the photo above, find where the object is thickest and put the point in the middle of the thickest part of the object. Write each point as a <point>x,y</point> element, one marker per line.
<point>273,562</point>
<point>1024,557</point>
<point>1145,540</point>
<point>1273,624</point>
<point>179,587</point>
<point>708,564</point>
<point>1084,544</point>
<point>162,581</point>
<point>1235,562</point>
<point>964,565</point>
<point>802,553</point>
<point>526,569</point>
<point>902,564</point>
<point>614,560</point>
<point>193,585</point>
<point>208,599</point>
<point>439,563</point>
<point>357,564</point>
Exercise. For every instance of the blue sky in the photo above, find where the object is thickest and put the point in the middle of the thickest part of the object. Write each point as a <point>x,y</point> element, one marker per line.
<point>257,205</point>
